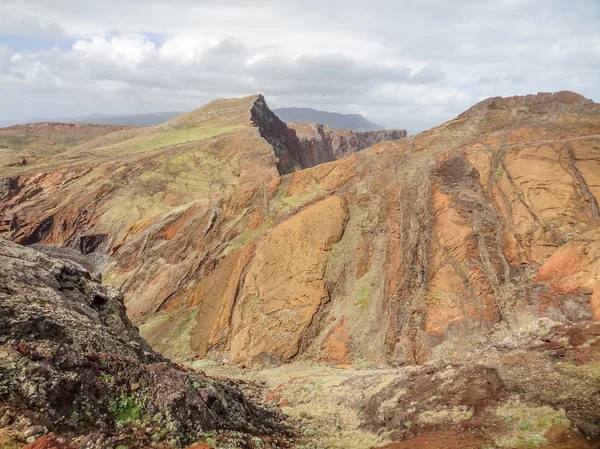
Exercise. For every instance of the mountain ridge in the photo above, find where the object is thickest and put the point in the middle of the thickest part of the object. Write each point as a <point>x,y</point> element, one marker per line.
<point>335,120</point>
<point>354,122</point>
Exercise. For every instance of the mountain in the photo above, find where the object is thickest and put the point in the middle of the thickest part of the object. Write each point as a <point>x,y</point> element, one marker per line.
<point>116,179</point>
<point>150,119</point>
<point>322,144</point>
<point>438,287</point>
<point>334,120</point>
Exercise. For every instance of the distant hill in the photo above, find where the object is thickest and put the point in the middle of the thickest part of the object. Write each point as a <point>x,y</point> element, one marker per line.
<point>355,122</point>
<point>105,119</point>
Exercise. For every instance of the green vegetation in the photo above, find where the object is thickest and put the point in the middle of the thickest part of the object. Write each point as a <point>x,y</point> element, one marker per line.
<point>527,425</point>
<point>364,298</point>
<point>248,235</point>
<point>171,333</point>
<point>498,174</point>
<point>125,409</point>
<point>445,297</point>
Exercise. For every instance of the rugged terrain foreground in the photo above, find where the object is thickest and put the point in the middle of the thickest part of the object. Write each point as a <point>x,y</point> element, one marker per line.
<point>72,363</point>
<point>442,287</point>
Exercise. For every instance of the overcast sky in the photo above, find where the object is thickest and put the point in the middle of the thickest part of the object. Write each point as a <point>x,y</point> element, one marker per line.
<point>410,64</point>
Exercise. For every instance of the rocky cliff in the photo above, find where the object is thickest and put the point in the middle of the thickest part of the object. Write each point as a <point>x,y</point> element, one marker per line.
<point>72,363</point>
<point>320,144</point>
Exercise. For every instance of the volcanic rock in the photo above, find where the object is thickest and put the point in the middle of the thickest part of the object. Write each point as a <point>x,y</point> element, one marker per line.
<point>72,362</point>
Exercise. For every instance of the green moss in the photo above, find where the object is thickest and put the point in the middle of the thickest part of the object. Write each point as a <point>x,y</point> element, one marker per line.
<point>245,237</point>
<point>125,409</point>
<point>362,303</point>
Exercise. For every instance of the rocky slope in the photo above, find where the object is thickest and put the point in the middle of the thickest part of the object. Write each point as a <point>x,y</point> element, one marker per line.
<point>91,192</point>
<point>440,250</point>
<point>85,196</point>
<point>25,144</point>
<point>532,388</point>
<point>319,143</point>
<point>72,363</point>
<point>398,254</point>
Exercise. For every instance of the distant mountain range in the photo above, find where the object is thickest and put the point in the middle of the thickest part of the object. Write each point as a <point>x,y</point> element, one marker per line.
<point>334,120</point>
<point>355,122</point>
<point>105,119</point>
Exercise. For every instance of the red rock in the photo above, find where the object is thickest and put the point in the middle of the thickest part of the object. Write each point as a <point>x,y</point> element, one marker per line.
<point>52,441</point>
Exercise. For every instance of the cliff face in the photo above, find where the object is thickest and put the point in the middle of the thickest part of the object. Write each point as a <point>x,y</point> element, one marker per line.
<point>72,363</point>
<point>320,144</point>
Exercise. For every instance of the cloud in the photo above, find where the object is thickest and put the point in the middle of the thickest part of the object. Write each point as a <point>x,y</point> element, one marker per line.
<point>404,63</point>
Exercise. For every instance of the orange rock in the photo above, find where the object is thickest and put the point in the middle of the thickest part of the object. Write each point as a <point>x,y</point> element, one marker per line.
<point>284,285</point>
<point>337,344</point>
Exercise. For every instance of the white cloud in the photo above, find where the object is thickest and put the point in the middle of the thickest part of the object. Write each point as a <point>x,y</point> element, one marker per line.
<point>403,63</point>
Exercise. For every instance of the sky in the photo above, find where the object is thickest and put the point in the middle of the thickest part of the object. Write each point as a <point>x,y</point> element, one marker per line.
<point>402,64</point>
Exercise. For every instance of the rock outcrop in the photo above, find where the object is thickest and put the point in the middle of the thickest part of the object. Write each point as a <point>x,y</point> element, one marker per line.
<point>72,363</point>
<point>320,144</point>
<point>284,286</point>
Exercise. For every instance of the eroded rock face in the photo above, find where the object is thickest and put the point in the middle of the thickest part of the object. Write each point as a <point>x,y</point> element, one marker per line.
<point>320,144</point>
<point>71,362</point>
<point>283,287</point>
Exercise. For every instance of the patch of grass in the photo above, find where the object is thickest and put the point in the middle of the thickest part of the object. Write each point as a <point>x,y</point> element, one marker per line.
<point>125,409</point>
<point>452,415</point>
<point>440,296</point>
<point>525,426</point>
<point>171,333</point>
<point>363,303</point>
<point>245,237</point>
<point>364,298</point>
<point>498,174</point>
